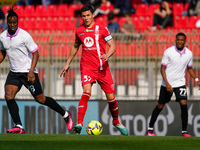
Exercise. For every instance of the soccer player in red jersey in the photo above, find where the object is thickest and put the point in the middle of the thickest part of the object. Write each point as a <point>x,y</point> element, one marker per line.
<point>94,65</point>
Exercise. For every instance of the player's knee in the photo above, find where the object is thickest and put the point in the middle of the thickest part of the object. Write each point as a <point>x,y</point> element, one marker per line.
<point>160,106</point>
<point>8,95</point>
<point>87,91</point>
<point>40,99</point>
<point>183,102</point>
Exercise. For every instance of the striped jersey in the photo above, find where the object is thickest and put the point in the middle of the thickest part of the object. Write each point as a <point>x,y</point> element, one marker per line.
<point>176,62</point>
<point>93,42</point>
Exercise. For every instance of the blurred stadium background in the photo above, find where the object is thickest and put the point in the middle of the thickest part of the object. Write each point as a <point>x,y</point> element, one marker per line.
<point>135,66</point>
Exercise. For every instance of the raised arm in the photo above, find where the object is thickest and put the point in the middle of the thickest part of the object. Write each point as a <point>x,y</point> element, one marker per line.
<point>72,54</point>
<point>168,10</point>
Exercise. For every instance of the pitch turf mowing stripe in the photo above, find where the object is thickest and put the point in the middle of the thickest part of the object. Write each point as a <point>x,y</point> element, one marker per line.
<point>90,142</point>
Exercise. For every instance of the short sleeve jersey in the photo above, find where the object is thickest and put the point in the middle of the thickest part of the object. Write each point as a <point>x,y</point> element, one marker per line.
<point>18,48</point>
<point>176,62</point>
<point>93,42</point>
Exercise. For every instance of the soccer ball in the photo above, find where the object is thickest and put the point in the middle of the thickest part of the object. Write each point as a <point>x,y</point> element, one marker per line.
<point>94,128</point>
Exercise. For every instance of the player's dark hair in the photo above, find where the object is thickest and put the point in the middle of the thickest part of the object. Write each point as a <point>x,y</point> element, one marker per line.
<point>180,34</point>
<point>12,13</point>
<point>87,7</point>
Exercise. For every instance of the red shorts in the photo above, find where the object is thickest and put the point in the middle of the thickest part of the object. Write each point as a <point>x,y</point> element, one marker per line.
<point>103,77</point>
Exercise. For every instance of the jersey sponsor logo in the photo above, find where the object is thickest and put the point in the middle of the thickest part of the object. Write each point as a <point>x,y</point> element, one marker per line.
<point>88,30</point>
<point>88,41</point>
<point>81,34</point>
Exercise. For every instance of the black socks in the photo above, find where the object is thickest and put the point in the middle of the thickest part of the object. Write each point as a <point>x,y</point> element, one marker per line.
<point>154,116</point>
<point>50,102</point>
<point>184,117</point>
<point>14,111</point>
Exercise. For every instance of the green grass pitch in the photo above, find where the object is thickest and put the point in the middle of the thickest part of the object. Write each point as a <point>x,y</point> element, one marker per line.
<point>100,142</point>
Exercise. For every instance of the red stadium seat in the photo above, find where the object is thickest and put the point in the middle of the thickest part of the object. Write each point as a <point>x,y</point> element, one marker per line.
<point>31,24</point>
<point>136,22</point>
<point>181,22</point>
<point>29,11</point>
<point>145,23</point>
<point>152,7</point>
<point>72,8</point>
<point>6,8</point>
<point>43,49</point>
<point>41,74</point>
<point>60,50</point>
<point>42,24</point>
<point>131,49</point>
<point>151,49</point>
<point>53,24</point>
<point>70,77</point>
<point>177,9</point>
<point>19,9</point>
<point>101,20</point>
<point>194,48</point>
<point>186,6</point>
<point>192,22</point>
<point>141,49</point>
<point>142,10</point>
<point>51,11</point>
<point>126,76</point>
<point>40,11</point>
<point>121,50</point>
<point>68,23</point>
<point>62,10</point>
<point>121,21</point>
<point>64,25</point>
<point>189,79</point>
<point>22,23</point>
<point>72,23</point>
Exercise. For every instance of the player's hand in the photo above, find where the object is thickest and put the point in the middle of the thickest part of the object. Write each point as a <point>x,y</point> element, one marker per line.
<point>165,3</point>
<point>104,57</point>
<point>64,70</point>
<point>169,88</point>
<point>31,77</point>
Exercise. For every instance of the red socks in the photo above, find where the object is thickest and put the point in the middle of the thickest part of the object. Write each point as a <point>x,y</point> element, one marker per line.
<point>113,107</point>
<point>82,107</point>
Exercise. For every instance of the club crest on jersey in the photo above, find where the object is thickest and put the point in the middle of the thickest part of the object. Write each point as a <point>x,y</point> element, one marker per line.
<point>88,30</point>
<point>88,41</point>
